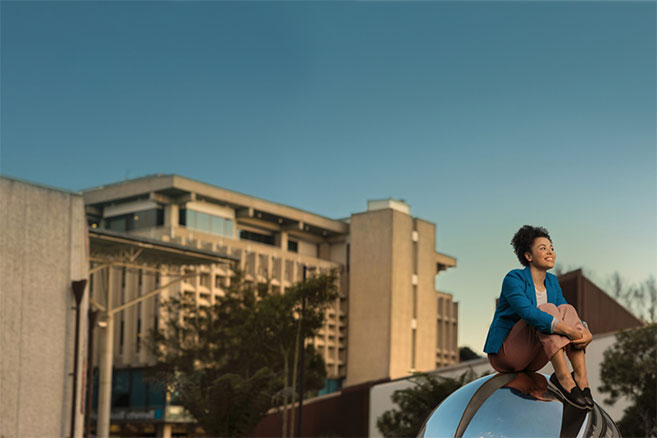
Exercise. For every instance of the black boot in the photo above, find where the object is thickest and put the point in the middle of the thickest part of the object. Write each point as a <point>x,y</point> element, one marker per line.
<point>574,397</point>
<point>586,392</point>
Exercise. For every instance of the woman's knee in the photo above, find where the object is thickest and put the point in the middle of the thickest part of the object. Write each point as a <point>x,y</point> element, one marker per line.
<point>549,308</point>
<point>567,308</point>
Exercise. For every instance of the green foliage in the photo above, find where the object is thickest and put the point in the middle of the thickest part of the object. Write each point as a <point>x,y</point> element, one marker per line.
<point>629,369</point>
<point>466,353</point>
<point>225,361</point>
<point>417,402</point>
<point>278,333</point>
<point>639,299</point>
<point>226,404</point>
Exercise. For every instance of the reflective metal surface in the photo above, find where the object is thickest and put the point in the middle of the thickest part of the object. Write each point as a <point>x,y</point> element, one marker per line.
<point>514,405</point>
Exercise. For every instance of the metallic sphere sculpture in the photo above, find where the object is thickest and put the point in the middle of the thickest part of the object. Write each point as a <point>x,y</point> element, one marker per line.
<point>514,405</point>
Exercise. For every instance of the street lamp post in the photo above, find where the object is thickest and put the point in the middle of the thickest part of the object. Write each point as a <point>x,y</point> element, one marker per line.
<point>150,252</point>
<point>105,367</point>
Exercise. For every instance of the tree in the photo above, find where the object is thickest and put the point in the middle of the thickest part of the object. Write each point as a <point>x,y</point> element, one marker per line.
<point>225,361</point>
<point>629,369</point>
<point>283,335</point>
<point>417,402</point>
<point>466,353</point>
<point>639,299</point>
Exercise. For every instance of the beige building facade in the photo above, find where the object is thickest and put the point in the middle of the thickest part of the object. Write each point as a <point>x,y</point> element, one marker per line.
<point>398,322</point>
<point>388,321</point>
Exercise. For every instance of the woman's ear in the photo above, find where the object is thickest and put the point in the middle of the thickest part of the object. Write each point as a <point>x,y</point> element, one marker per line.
<point>528,257</point>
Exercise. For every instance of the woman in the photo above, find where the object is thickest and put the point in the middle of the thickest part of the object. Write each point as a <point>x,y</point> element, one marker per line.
<point>533,323</point>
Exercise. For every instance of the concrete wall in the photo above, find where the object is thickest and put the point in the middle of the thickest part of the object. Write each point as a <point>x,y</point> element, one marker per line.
<point>402,296</point>
<point>427,300</point>
<point>370,285</point>
<point>43,249</point>
<point>380,395</point>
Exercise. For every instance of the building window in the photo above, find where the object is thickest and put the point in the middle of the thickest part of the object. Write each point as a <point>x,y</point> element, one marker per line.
<point>207,223</point>
<point>135,221</point>
<point>204,280</point>
<point>220,282</point>
<point>121,332</point>
<point>138,343</point>
<point>121,389</point>
<point>292,246</point>
<point>257,237</point>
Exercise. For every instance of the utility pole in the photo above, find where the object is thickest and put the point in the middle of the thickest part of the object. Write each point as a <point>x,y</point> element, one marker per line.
<point>105,366</point>
<point>105,371</point>
<point>150,253</point>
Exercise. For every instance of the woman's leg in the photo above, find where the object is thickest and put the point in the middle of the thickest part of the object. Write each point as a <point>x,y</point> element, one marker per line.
<point>579,366</point>
<point>518,351</point>
<point>555,344</point>
<point>562,371</point>
<point>577,356</point>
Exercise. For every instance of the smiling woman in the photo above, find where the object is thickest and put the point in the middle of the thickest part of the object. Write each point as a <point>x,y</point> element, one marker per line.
<point>533,323</point>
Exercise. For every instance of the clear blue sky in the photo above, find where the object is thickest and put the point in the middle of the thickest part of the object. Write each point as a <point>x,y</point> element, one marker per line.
<point>482,116</point>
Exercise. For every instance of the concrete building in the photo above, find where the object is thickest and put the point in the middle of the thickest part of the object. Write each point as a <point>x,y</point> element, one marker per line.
<point>388,321</point>
<point>393,264</point>
<point>43,252</point>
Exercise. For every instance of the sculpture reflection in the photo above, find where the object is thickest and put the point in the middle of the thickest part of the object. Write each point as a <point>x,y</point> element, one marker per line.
<point>532,385</point>
<point>514,404</point>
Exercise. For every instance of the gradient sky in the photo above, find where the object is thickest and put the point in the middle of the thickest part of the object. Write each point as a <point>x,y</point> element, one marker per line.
<point>483,116</point>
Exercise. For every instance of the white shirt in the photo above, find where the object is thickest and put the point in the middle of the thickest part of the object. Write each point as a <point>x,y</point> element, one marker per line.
<point>541,298</point>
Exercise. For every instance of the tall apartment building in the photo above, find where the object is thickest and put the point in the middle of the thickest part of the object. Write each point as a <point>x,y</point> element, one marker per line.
<point>388,321</point>
<point>398,323</point>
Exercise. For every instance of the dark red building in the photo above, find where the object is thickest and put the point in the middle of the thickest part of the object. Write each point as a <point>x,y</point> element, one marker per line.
<point>342,413</point>
<point>602,313</point>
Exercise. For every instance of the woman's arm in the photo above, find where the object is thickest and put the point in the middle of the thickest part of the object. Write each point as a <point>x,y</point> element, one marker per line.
<point>580,338</point>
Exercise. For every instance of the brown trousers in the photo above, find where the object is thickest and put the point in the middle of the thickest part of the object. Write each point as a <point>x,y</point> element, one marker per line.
<point>527,349</point>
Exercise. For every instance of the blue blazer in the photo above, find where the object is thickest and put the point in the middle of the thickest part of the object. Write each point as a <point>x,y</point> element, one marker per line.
<point>518,301</point>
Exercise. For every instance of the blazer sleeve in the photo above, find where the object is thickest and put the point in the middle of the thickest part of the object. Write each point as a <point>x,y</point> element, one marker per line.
<point>513,289</point>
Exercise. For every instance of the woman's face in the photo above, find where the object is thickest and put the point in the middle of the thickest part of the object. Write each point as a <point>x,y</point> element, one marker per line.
<point>542,254</point>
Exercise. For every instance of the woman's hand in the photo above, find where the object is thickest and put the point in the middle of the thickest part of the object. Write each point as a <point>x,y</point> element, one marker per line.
<point>585,340</point>
<point>571,332</point>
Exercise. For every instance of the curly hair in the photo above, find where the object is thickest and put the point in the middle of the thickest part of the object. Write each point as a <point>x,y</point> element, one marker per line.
<point>524,239</point>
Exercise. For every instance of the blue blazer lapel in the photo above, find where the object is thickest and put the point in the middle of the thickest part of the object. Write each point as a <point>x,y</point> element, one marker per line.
<point>529,285</point>
<point>551,290</point>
